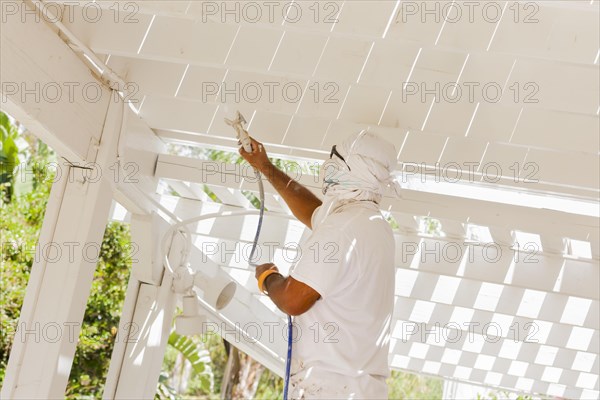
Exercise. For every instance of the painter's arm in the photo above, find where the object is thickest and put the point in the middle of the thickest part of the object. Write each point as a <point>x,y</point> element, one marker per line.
<point>289,295</point>
<point>299,199</point>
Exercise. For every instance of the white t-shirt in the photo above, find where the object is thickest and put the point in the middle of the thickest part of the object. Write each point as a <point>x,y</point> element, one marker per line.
<point>342,342</point>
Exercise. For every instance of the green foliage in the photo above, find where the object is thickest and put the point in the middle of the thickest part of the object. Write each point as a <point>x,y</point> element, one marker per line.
<point>270,386</point>
<point>9,157</point>
<point>431,226</point>
<point>404,385</point>
<point>164,390</point>
<point>218,358</point>
<point>502,395</point>
<point>204,382</point>
<point>391,220</point>
<point>199,358</point>
<point>193,353</point>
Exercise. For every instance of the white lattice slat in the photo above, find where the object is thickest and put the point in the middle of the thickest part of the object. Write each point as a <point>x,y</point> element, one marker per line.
<point>343,59</point>
<point>298,53</point>
<point>196,41</point>
<point>244,53</point>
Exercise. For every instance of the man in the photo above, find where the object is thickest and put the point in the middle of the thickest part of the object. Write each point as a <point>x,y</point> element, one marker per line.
<point>341,291</point>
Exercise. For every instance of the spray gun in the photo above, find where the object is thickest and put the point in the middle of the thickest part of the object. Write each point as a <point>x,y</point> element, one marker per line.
<point>242,134</point>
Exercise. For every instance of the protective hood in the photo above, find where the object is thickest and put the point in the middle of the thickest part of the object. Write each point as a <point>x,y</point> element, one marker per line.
<point>364,174</point>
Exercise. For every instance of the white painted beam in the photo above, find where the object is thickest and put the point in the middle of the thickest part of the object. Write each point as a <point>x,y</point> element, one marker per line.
<point>125,333</point>
<point>486,213</point>
<point>147,232</point>
<point>150,328</point>
<point>43,81</point>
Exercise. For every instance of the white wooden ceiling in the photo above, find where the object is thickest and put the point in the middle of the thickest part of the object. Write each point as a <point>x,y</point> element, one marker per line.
<point>176,53</point>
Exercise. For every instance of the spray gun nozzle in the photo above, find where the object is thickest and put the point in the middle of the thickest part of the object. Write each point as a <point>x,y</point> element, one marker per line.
<point>242,135</point>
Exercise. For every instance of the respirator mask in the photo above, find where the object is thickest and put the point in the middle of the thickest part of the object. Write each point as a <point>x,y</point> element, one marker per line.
<point>335,171</point>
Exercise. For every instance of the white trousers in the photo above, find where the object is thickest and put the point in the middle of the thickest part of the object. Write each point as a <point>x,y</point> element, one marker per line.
<point>313,384</point>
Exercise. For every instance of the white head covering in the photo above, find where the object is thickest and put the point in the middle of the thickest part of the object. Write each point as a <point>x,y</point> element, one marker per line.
<point>365,174</point>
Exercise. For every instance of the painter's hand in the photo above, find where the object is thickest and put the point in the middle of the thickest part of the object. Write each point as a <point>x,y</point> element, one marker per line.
<point>258,158</point>
<point>263,267</point>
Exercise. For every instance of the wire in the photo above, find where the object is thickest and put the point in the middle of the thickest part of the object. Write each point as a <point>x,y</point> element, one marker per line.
<point>261,192</point>
<point>288,360</point>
